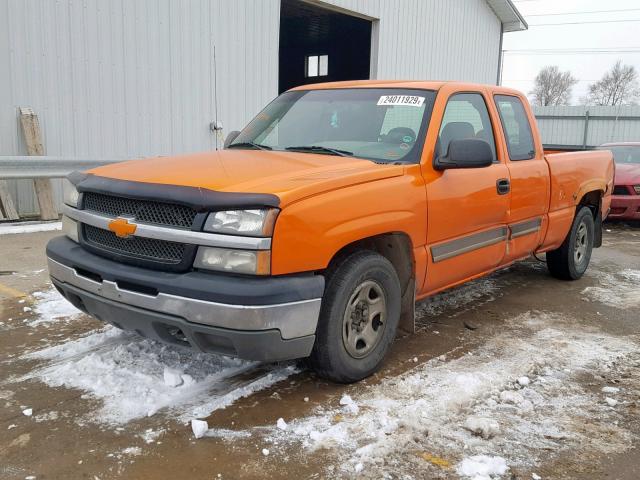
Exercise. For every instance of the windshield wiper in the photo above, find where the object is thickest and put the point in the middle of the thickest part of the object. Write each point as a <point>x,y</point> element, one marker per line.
<point>319,149</point>
<point>250,144</point>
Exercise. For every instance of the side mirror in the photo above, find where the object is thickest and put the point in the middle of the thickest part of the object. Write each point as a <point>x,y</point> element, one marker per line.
<point>467,153</point>
<point>231,137</point>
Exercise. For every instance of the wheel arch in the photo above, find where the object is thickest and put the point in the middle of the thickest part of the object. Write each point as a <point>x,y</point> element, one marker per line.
<point>593,200</point>
<point>396,247</point>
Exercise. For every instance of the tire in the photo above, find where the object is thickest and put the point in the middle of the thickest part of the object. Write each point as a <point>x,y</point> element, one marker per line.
<point>570,261</point>
<point>352,338</point>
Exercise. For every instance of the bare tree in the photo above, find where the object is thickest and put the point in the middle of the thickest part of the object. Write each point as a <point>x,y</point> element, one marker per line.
<point>552,87</point>
<point>619,86</point>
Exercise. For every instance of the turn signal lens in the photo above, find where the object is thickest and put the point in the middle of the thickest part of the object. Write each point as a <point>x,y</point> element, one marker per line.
<point>70,228</point>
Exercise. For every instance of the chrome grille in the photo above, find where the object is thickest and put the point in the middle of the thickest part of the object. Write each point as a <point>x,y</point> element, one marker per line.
<point>144,211</point>
<point>139,247</point>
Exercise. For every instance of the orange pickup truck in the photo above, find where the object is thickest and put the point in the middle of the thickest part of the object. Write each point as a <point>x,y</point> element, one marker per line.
<point>316,229</point>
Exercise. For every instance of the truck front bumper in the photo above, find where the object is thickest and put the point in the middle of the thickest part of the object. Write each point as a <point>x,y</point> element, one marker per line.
<point>265,319</point>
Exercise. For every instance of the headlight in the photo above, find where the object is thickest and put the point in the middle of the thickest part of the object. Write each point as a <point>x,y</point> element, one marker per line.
<point>70,193</point>
<point>235,261</point>
<point>637,189</point>
<point>70,228</point>
<point>252,223</point>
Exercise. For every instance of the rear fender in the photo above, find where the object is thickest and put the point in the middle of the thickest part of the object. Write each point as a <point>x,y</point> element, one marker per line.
<point>589,191</point>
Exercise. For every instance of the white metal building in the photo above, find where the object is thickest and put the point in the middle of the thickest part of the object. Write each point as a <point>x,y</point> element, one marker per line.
<point>133,78</point>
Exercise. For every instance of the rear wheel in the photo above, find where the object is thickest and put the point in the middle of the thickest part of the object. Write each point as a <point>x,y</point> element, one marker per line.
<point>570,261</point>
<point>358,319</point>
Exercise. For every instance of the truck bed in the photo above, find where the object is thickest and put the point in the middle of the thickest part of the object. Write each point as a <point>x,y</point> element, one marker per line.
<point>574,174</point>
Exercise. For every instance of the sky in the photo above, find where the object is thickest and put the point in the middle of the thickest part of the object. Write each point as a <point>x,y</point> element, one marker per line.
<point>587,50</point>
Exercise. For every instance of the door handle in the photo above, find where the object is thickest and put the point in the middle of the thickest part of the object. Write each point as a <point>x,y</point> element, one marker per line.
<point>503,186</point>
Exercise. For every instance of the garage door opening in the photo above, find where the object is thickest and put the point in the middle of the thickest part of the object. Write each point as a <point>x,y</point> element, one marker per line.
<point>321,45</point>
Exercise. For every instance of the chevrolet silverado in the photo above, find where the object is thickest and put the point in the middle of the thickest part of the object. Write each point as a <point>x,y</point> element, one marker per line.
<point>316,229</point>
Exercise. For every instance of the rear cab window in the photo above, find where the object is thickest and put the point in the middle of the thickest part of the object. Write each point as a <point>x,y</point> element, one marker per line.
<point>516,127</point>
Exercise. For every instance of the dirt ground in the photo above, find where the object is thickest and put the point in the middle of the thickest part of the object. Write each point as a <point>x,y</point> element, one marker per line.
<point>475,344</point>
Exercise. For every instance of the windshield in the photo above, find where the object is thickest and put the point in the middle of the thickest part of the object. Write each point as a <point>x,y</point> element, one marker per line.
<point>625,153</point>
<point>380,124</point>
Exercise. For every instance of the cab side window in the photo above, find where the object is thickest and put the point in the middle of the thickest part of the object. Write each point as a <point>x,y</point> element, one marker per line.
<point>515,125</point>
<point>466,116</point>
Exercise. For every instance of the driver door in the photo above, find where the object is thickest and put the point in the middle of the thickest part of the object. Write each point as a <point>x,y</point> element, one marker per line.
<point>467,207</point>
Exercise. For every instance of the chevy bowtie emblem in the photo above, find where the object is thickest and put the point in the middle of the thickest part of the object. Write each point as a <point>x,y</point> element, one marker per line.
<point>122,227</point>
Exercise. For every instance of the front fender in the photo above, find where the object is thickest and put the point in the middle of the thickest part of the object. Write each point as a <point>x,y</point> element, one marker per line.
<point>311,231</point>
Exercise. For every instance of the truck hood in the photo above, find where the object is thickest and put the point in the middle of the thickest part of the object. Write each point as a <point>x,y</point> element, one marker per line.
<point>627,174</point>
<point>289,175</point>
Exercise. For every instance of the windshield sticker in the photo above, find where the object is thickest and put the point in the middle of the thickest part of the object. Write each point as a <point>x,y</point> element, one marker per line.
<point>408,100</point>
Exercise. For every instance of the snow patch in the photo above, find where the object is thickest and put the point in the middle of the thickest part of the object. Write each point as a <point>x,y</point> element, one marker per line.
<point>127,373</point>
<point>150,435</point>
<point>281,424</point>
<point>199,428</point>
<point>618,290</point>
<point>510,396</point>
<point>51,307</point>
<point>349,406</point>
<point>47,416</point>
<point>482,467</point>
<point>426,409</point>
<point>29,227</point>
<point>226,433</point>
<point>172,377</point>
<point>131,451</point>
<point>482,426</point>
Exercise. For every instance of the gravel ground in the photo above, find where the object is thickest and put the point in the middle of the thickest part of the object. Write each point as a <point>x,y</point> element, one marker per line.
<point>516,375</point>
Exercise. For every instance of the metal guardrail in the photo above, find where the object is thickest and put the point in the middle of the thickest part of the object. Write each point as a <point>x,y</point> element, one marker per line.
<point>47,167</point>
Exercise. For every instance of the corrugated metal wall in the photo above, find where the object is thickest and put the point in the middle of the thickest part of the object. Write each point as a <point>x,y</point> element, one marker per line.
<point>565,126</point>
<point>132,78</point>
<point>432,39</point>
<point>124,78</point>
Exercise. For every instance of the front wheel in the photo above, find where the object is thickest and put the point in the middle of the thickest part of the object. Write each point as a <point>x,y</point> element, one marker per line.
<point>570,261</point>
<point>358,319</point>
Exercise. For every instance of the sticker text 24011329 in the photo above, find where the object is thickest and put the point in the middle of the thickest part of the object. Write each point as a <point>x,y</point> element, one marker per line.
<point>409,100</point>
